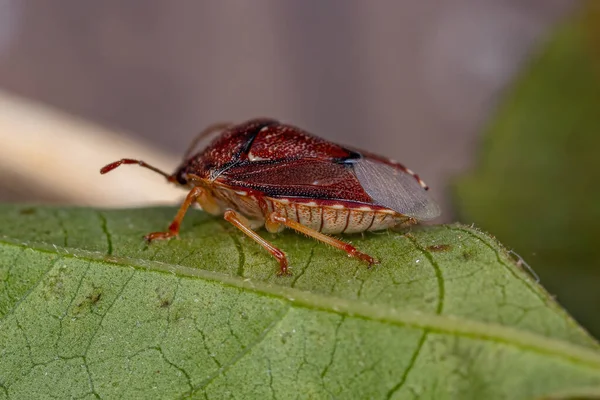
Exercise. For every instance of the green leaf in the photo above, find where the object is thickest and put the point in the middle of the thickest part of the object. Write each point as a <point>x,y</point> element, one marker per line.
<point>536,184</point>
<point>89,310</point>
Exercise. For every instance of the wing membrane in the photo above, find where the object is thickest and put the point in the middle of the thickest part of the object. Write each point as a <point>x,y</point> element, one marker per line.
<point>395,189</point>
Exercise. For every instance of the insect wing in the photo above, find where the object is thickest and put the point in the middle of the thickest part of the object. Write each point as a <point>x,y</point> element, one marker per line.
<point>395,189</point>
<point>308,178</point>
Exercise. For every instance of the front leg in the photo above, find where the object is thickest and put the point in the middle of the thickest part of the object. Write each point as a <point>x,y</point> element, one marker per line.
<point>173,230</point>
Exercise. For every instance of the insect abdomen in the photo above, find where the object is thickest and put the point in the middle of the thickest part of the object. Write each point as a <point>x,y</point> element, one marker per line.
<point>336,218</point>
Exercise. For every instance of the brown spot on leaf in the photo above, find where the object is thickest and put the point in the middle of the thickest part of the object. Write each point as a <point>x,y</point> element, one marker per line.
<point>27,211</point>
<point>164,303</point>
<point>165,299</point>
<point>94,297</point>
<point>89,301</point>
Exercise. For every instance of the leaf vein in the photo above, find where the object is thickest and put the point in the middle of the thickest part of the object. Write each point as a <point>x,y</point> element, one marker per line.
<point>310,257</point>
<point>33,288</point>
<point>227,366</point>
<point>241,254</point>
<point>411,364</point>
<point>104,225</point>
<point>437,270</point>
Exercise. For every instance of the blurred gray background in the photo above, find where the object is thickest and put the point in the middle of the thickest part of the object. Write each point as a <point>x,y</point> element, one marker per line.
<point>413,80</point>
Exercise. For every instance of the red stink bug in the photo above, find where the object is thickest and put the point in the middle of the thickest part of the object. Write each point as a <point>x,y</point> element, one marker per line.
<point>265,173</point>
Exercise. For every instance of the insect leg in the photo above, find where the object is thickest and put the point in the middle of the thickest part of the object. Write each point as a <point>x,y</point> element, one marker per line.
<point>348,248</point>
<point>242,224</point>
<point>192,196</point>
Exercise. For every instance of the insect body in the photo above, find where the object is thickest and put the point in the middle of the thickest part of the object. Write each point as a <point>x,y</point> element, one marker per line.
<point>265,173</point>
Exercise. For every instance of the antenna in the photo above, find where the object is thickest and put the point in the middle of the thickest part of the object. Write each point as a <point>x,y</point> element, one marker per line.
<point>141,163</point>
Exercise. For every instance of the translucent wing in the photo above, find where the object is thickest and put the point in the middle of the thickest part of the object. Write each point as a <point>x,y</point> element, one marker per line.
<point>395,189</point>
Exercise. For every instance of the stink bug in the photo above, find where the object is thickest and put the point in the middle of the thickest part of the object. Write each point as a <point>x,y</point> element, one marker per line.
<point>265,173</point>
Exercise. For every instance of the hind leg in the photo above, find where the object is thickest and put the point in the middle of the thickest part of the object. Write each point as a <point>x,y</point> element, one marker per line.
<point>273,220</point>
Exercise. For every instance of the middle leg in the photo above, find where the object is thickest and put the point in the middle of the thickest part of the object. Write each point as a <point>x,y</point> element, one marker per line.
<point>242,224</point>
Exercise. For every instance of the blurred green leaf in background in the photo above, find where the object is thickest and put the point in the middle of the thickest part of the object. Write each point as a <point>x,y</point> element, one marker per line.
<point>536,185</point>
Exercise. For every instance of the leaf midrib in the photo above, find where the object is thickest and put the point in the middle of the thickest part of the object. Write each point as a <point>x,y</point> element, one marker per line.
<point>442,324</point>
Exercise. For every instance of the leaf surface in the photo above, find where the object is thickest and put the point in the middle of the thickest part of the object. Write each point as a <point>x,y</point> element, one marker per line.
<point>88,310</point>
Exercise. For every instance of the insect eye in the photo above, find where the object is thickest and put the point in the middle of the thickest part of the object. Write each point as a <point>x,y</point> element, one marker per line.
<point>181,177</point>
